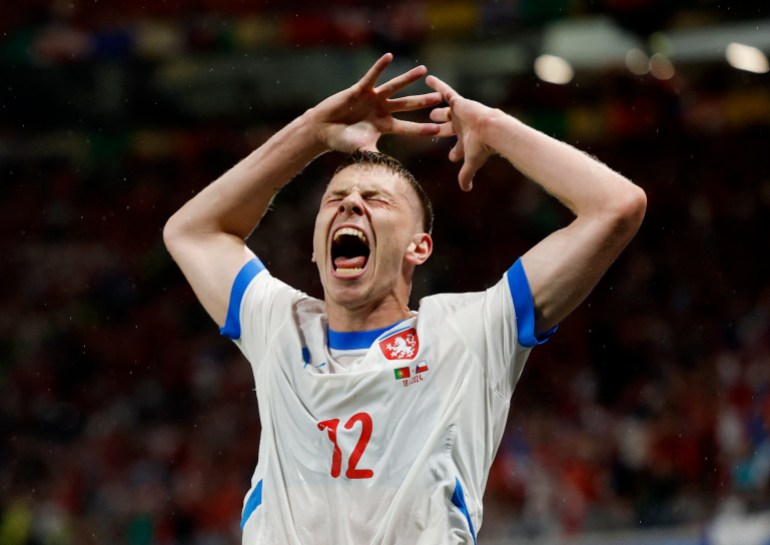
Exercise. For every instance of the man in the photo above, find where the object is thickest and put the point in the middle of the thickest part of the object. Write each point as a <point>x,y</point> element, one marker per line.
<point>379,424</point>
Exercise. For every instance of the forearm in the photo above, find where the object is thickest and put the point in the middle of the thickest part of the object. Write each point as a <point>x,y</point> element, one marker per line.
<point>565,266</point>
<point>235,202</point>
<point>579,181</point>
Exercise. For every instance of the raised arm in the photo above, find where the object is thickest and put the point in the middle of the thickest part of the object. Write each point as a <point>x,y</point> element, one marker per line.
<point>206,236</point>
<point>563,268</point>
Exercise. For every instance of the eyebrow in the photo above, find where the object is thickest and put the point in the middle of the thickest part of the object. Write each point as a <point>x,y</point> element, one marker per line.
<point>365,192</point>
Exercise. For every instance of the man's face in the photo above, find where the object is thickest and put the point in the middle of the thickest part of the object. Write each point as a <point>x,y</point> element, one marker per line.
<point>368,228</point>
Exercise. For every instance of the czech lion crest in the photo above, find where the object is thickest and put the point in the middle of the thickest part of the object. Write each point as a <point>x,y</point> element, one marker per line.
<point>401,346</point>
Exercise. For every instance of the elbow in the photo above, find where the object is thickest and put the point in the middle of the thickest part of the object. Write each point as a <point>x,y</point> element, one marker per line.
<point>173,233</point>
<point>629,209</point>
<point>636,206</point>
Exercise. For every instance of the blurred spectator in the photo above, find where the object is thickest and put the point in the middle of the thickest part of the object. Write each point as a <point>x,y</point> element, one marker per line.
<point>124,419</point>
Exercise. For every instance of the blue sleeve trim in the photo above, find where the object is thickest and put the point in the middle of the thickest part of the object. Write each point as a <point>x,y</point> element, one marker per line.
<point>232,327</point>
<point>458,500</point>
<point>254,500</point>
<point>525,307</point>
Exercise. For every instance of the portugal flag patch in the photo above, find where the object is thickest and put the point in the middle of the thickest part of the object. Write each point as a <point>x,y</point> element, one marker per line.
<point>402,372</point>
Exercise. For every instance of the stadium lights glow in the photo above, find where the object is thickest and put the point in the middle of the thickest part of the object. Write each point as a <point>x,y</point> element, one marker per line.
<point>661,67</point>
<point>661,43</point>
<point>553,69</point>
<point>745,57</point>
<point>637,61</point>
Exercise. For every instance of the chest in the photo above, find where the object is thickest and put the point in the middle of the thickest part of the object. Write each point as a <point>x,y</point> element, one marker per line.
<point>403,381</point>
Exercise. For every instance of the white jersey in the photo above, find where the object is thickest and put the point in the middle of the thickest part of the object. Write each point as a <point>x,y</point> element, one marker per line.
<point>377,437</point>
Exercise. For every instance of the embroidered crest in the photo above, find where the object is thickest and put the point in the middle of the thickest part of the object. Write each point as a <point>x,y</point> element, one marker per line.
<point>401,346</point>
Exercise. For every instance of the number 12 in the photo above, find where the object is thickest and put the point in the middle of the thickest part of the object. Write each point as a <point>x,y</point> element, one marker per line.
<point>352,472</point>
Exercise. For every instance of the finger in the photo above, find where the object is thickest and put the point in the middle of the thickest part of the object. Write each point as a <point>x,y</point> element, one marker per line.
<point>393,86</point>
<point>414,102</point>
<point>370,78</point>
<point>457,152</point>
<point>446,91</point>
<point>465,177</point>
<point>413,128</point>
<point>441,115</point>
<point>445,130</point>
<point>472,163</point>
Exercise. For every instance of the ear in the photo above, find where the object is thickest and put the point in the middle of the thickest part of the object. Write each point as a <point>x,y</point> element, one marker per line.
<point>419,249</point>
<point>312,257</point>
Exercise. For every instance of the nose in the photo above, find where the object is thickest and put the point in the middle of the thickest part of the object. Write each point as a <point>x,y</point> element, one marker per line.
<point>352,204</point>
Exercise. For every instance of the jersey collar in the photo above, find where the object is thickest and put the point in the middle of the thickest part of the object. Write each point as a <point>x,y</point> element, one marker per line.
<point>355,340</point>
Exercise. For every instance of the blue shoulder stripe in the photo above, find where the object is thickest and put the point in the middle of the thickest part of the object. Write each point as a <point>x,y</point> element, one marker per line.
<point>232,327</point>
<point>525,307</point>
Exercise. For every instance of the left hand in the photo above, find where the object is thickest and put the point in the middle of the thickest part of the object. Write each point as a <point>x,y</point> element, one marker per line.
<point>465,119</point>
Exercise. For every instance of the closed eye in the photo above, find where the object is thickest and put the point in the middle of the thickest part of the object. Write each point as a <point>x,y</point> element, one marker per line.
<point>375,196</point>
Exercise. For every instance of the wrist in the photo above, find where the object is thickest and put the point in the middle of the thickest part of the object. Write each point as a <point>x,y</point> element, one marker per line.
<point>491,128</point>
<point>499,128</point>
<point>310,131</point>
<point>306,134</point>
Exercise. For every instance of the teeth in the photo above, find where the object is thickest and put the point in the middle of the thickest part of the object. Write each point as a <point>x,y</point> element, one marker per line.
<point>351,231</point>
<point>349,272</point>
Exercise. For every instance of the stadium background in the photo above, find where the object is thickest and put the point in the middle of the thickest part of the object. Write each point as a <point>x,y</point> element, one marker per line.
<point>125,419</point>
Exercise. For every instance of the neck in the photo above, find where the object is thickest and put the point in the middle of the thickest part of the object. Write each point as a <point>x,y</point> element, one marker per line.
<point>366,317</point>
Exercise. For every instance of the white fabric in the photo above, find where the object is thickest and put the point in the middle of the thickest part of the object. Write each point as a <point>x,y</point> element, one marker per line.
<point>439,427</point>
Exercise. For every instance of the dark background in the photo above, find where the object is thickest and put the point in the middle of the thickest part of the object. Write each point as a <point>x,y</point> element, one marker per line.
<point>125,418</point>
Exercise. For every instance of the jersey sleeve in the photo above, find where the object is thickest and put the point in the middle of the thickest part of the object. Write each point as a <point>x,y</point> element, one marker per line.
<point>509,328</point>
<point>259,305</point>
<point>499,326</point>
<point>524,307</point>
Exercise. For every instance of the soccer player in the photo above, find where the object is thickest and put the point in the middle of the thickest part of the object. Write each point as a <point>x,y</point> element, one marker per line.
<point>380,423</point>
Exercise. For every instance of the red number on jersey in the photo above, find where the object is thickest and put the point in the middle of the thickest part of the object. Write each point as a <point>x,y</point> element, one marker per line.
<point>366,433</point>
<point>352,472</point>
<point>331,426</point>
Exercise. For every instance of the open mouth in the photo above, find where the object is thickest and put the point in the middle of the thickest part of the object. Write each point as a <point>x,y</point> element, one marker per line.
<point>350,251</point>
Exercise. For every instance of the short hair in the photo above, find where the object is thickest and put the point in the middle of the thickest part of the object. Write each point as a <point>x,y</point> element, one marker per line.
<point>377,158</point>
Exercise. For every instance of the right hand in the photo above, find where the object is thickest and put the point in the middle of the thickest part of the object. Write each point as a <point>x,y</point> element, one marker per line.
<point>356,117</point>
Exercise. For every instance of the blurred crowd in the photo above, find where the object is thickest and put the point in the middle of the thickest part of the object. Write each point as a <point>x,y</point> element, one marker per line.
<point>126,419</point>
